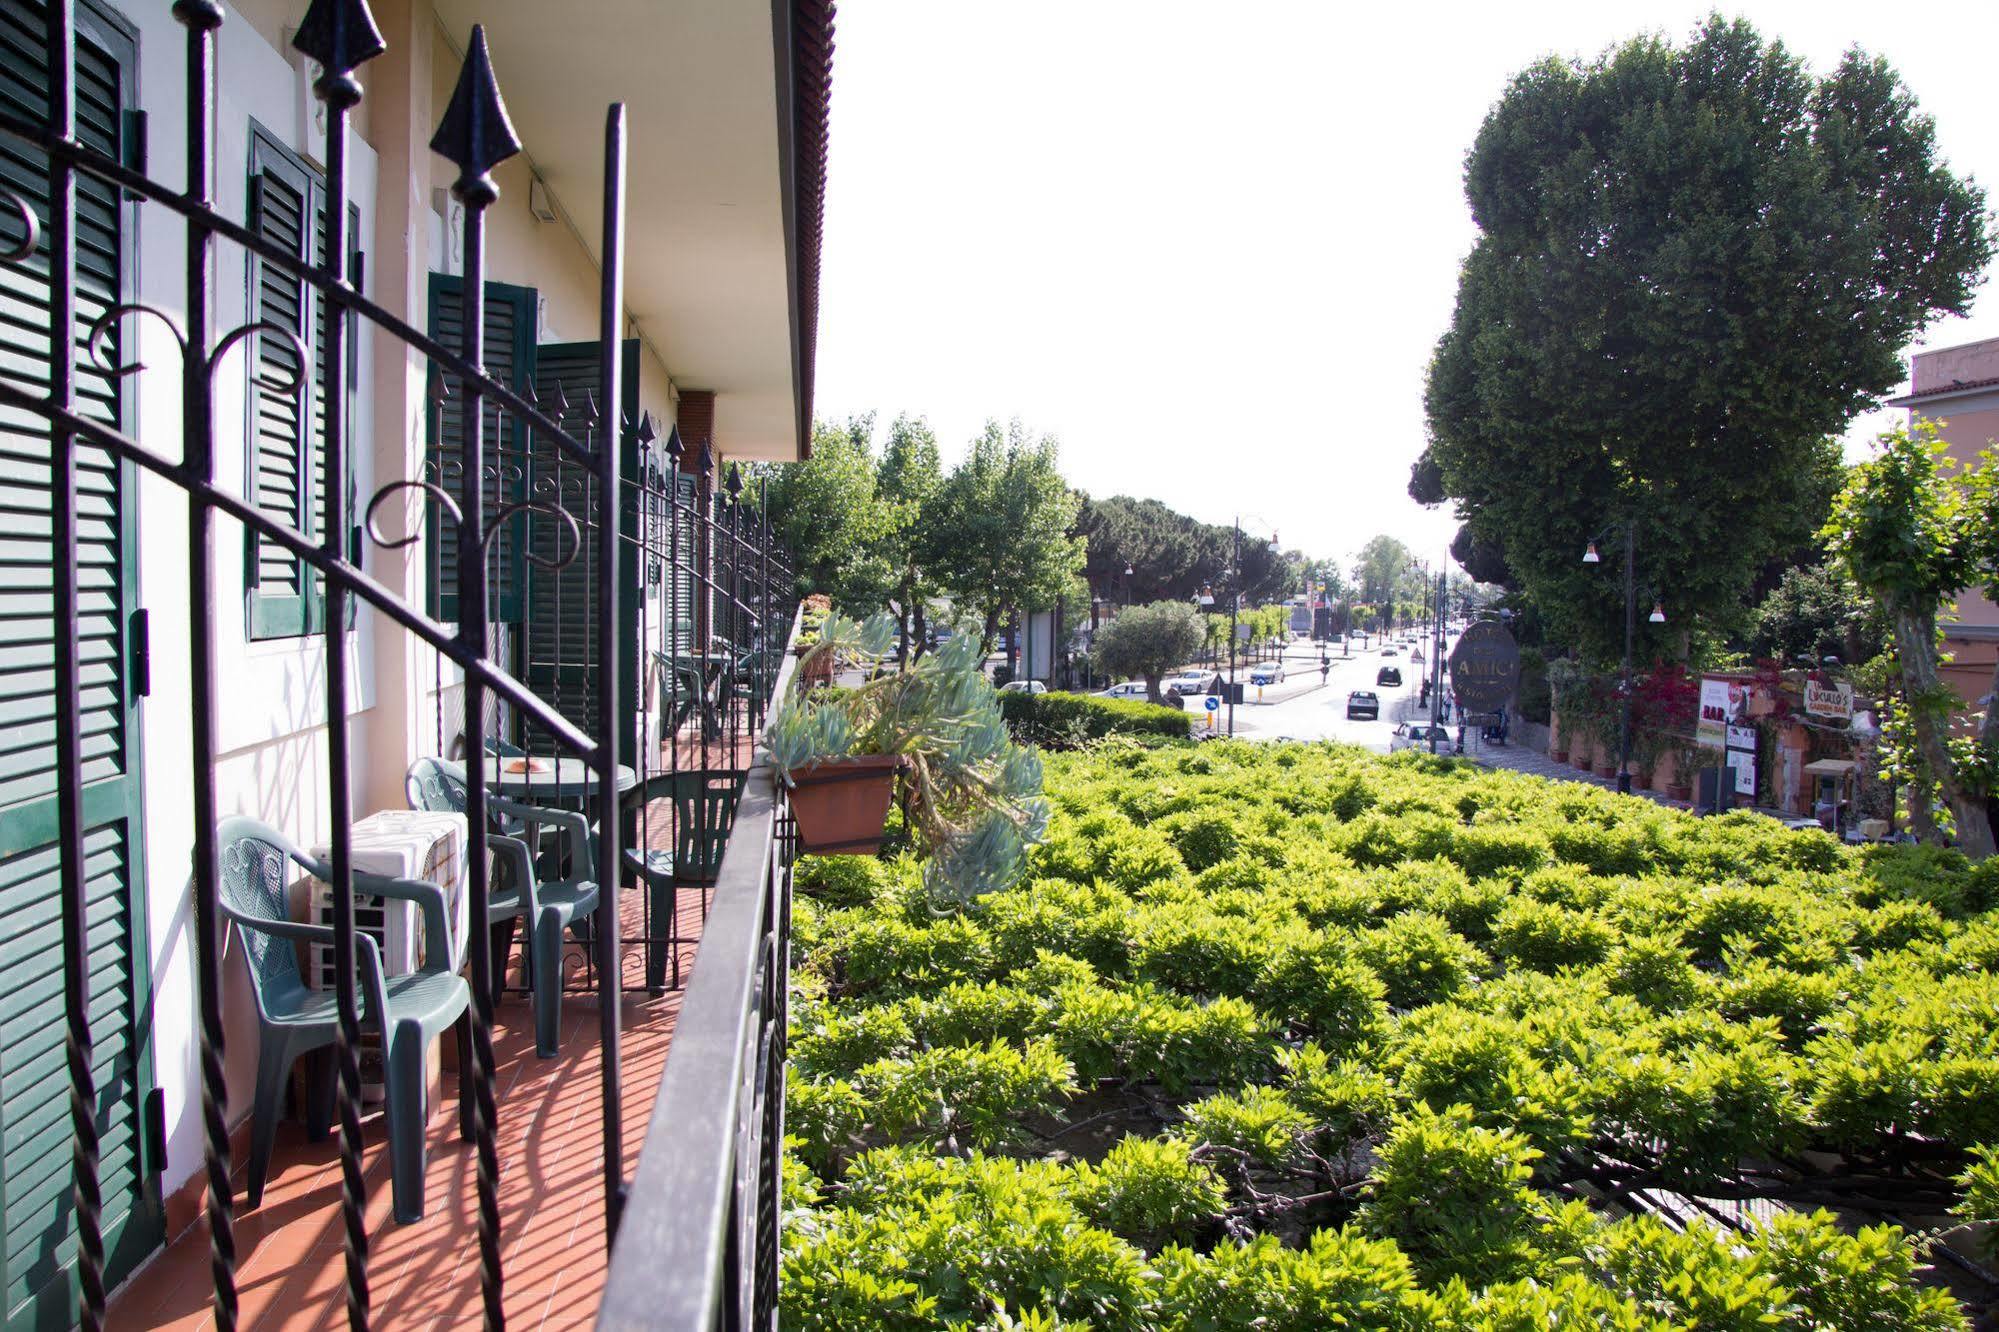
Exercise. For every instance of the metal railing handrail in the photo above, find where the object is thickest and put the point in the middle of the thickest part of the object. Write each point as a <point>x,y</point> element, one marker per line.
<point>683,1225</point>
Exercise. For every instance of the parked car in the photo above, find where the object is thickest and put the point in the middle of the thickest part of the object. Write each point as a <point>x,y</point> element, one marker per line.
<point>1391,651</point>
<point>1388,677</point>
<point>1417,735</point>
<point>1126,689</point>
<point>1188,682</point>
<point>1362,703</point>
<point>1267,674</point>
<point>1024,687</point>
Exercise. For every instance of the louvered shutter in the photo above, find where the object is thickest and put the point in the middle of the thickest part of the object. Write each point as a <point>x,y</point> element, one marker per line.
<point>684,588</point>
<point>286,467</point>
<point>510,360</point>
<point>37,1252</point>
<point>561,644</point>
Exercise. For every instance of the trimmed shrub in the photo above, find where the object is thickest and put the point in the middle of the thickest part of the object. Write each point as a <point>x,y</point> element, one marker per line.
<point>1057,720</point>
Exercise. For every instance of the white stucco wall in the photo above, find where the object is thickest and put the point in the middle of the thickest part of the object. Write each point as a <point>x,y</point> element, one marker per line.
<point>271,713</point>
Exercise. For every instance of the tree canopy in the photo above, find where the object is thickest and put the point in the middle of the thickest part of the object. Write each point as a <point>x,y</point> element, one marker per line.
<point>996,533</point>
<point>831,515</point>
<point>1148,641</point>
<point>1695,265</point>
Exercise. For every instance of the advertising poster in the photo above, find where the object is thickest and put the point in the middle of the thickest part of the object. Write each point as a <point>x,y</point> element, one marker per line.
<point>1721,704</point>
<point>1742,762</point>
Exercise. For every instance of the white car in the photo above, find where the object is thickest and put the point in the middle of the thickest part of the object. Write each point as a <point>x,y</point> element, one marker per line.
<point>1416,735</point>
<point>1128,689</point>
<point>1187,682</point>
<point>1024,687</point>
<point>1267,674</point>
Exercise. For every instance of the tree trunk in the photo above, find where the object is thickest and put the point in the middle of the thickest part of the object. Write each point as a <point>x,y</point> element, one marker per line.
<point>902,631</point>
<point>922,623</point>
<point>990,635</point>
<point>1915,646</point>
<point>1152,689</point>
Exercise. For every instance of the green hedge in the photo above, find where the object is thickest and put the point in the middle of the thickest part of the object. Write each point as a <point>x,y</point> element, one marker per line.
<point>1290,1036</point>
<point>1059,720</point>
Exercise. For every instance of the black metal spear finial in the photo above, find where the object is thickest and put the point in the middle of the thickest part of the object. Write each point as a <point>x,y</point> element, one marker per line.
<point>734,485</point>
<point>674,448</point>
<point>200,15</point>
<point>342,36</point>
<point>706,463</point>
<point>646,433</point>
<point>475,134</point>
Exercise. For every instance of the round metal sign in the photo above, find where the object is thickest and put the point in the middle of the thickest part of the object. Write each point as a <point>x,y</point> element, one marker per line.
<point>1485,667</point>
<point>1214,704</point>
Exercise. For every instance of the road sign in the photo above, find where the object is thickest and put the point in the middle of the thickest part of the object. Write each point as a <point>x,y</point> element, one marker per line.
<point>1214,704</point>
<point>1485,667</point>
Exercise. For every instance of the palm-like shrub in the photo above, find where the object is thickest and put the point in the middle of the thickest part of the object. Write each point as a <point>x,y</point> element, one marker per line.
<point>973,796</point>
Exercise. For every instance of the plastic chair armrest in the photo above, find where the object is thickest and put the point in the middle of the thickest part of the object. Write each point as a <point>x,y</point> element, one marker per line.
<point>429,898</point>
<point>516,853</point>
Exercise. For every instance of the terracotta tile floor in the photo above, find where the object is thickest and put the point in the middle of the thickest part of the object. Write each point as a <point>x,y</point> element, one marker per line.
<point>290,1266</point>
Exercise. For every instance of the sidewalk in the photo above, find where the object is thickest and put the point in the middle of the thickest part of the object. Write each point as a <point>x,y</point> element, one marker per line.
<point>1515,758</point>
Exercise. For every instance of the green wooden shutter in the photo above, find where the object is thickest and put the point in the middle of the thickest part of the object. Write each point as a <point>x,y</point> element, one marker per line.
<point>510,360</point>
<point>286,464</point>
<point>282,205</point>
<point>683,532</point>
<point>561,642</point>
<point>38,1249</point>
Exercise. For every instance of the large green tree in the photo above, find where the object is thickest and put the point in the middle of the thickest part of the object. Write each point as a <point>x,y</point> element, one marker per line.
<point>832,517</point>
<point>908,479</point>
<point>1384,574</point>
<point>1170,555</point>
<point>996,534</point>
<point>1914,536</point>
<point>1695,265</point>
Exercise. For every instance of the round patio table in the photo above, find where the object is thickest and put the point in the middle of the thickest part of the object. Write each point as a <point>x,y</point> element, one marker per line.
<point>550,778</point>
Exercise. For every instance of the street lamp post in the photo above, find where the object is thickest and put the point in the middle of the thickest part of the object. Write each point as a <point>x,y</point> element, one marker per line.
<point>1658,616</point>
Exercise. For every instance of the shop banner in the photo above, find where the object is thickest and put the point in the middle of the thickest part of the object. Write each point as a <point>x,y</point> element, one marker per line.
<point>1829,699</point>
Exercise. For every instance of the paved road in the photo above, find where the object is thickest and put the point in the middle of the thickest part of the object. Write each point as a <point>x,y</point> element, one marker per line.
<point>1303,709</point>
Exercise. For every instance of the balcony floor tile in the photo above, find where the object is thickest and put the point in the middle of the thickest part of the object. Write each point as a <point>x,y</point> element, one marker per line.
<point>290,1250</point>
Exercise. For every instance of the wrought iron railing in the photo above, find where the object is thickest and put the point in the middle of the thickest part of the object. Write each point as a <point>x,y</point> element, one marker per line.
<point>698,1248</point>
<point>629,509</point>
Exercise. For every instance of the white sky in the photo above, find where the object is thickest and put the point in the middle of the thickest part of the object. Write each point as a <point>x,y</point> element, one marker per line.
<point>1210,246</point>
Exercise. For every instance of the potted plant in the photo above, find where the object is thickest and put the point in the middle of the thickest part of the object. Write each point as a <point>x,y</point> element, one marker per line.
<point>813,668</point>
<point>972,796</point>
<point>1686,756</point>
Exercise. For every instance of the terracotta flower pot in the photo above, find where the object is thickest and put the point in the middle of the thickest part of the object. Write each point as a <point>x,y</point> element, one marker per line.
<point>1679,791</point>
<point>1559,755</point>
<point>841,805</point>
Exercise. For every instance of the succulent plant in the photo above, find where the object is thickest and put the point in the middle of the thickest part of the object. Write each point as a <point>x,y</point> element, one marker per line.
<point>973,795</point>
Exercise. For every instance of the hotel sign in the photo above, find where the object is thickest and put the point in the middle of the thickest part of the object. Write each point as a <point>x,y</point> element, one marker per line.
<point>1485,668</point>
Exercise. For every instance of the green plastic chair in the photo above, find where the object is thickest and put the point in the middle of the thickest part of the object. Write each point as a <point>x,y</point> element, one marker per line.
<point>704,813</point>
<point>546,908</point>
<point>409,1011</point>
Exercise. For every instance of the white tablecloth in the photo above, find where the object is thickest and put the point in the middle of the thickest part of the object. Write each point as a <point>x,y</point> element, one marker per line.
<point>401,844</point>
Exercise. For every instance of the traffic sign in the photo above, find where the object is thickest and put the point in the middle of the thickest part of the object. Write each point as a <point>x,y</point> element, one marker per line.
<point>1214,704</point>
